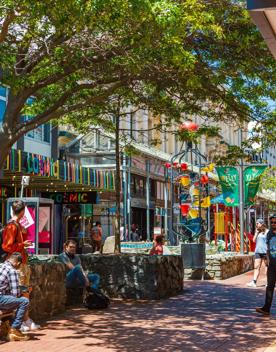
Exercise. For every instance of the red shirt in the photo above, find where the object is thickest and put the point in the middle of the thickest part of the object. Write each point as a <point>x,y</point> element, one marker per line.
<point>157,250</point>
<point>13,240</point>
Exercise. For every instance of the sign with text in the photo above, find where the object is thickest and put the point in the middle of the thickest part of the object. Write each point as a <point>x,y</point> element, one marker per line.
<point>252,176</point>
<point>229,181</point>
<point>72,197</point>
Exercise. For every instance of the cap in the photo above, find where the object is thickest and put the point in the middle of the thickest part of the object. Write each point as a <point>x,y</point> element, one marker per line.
<point>273,216</point>
<point>260,221</point>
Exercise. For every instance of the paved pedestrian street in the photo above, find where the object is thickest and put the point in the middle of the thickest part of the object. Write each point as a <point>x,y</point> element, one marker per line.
<point>208,316</point>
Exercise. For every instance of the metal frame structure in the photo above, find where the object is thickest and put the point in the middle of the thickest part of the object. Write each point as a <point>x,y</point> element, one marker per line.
<point>197,160</point>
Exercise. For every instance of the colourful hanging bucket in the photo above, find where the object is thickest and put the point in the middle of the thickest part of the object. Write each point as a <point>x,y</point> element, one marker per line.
<point>184,209</point>
<point>185,181</point>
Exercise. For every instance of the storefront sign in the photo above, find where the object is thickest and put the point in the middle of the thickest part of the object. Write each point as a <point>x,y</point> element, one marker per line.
<point>42,166</point>
<point>72,197</point>
<point>34,164</point>
<point>252,175</point>
<point>229,181</point>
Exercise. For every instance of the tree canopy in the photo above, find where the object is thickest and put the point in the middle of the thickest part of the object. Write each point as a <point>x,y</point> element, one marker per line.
<point>195,57</point>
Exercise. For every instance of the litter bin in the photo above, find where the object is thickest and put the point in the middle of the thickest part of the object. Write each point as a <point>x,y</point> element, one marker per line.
<point>193,255</point>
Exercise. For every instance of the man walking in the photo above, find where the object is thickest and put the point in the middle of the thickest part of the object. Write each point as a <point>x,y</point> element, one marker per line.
<point>10,296</point>
<point>271,270</point>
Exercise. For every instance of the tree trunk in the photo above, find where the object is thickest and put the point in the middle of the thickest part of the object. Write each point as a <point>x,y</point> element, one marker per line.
<point>117,248</point>
<point>5,145</point>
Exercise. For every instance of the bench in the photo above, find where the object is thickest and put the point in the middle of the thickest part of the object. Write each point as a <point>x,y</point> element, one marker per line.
<point>5,317</point>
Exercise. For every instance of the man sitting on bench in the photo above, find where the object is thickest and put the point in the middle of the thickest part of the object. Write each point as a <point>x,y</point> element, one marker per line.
<point>10,296</point>
<point>75,277</point>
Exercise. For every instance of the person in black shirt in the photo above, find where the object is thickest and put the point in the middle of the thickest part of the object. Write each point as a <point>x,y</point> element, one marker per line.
<point>271,270</point>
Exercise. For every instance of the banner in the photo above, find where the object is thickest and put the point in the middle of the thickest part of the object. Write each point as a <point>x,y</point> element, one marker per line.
<point>251,177</point>
<point>229,181</point>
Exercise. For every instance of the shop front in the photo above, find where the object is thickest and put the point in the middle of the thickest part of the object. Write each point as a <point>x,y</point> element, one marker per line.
<point>60,198</point>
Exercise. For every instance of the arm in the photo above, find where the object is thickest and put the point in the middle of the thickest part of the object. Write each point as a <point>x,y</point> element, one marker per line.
<point>13,282</point>
<point>255,236</point>
<point>9,244</point>
<point>65,260</point>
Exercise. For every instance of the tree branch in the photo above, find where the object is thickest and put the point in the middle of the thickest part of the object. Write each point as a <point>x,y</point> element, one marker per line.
<point>5,27</point>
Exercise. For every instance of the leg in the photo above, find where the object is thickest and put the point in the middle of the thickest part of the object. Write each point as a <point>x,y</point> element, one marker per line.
<point>20,304</point>
<point>94,280</point>
<point>271,280</point>
<point>257,266</point>
<point>75,278</point>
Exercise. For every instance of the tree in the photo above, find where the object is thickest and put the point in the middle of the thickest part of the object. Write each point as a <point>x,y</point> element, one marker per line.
<point>110,118</point>
<point>198,57</point>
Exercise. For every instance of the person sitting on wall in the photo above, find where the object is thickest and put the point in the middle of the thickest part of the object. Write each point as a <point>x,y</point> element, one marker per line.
<point>158,247</point>
<point>75,277</point>
<point>10,296</point>
<point>15,240</point>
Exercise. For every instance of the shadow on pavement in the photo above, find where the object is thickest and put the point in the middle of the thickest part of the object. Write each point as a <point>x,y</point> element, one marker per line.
<point>208,316</point>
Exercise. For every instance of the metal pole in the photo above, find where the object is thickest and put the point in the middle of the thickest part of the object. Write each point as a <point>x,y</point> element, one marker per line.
<point>148,199</point>
<point>166,204</point>
<point>129,196</point>
<point>125,194</point>
<point>241,196</point>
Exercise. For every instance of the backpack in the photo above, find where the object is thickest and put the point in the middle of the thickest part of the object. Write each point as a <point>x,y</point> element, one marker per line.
<point>95,299</point>
<point>4,254</point>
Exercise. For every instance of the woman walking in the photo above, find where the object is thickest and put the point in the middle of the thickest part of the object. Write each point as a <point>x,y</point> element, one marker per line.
<point>260,238</point>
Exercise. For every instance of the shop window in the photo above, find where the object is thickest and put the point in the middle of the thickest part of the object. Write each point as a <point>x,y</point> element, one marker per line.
<point>3,102</point>
<point>2,109</point>
<point>138,186</point>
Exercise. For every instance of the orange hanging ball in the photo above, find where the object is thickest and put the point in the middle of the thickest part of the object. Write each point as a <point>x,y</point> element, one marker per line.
<point>189,126</point>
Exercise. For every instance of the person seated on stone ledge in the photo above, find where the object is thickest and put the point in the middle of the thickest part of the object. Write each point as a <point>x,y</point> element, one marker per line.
<point>10,296</point>
<point>158,247</point>
<point>75,277</point>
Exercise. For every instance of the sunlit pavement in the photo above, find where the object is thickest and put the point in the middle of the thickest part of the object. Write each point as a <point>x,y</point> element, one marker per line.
<point>208,316</point>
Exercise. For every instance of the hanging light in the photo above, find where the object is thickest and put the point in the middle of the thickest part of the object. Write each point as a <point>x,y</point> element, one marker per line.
<point>189,126</point>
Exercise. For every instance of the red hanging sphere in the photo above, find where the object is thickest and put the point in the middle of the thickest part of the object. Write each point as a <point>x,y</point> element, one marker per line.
<point>167,165</point>
<point>175,164</point>
<point>189,126</point>
<point>204,179</point>
<point>184,166</point>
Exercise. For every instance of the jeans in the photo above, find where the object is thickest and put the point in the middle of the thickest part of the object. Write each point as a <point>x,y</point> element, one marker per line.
<point>75,278</point>
<point>271,280</point>
<point>21,304</point>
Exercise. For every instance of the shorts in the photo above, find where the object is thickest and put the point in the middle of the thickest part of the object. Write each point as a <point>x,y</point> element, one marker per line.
<point>260,256</point>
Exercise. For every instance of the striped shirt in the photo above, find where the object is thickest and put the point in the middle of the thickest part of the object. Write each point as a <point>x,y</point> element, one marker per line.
<point>9,280</point>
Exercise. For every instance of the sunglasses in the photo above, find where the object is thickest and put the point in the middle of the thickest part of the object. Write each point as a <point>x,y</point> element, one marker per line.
<point>273,222</point>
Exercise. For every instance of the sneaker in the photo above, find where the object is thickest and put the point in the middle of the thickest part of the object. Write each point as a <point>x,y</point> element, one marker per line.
<point>16,335</point>
<point>262,311</point>
<point>252,284</point>
<point>29,325</point>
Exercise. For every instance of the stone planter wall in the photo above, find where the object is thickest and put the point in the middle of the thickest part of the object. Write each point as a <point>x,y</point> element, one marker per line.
<point>220,267</point>
<point>132,276</point>
<point>124,276</point>
<point>49,294</point>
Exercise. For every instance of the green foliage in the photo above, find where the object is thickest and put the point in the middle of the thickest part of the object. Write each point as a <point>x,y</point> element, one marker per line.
<point>173,57</point>
<point>268,179</point>
<point>194,136</point>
